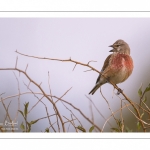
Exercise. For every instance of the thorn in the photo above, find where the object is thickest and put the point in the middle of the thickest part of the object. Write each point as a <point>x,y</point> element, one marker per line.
<point>28,84</point>
<point>74,67</point>
<point>16,62</point>
<point>26,68</point>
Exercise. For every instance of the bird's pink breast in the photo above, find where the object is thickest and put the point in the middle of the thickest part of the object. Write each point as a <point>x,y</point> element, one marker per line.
<point>121,67</point>
<point>122,60</point>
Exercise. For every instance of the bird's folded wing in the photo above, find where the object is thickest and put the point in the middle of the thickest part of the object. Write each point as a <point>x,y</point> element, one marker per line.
<point>106,63</point>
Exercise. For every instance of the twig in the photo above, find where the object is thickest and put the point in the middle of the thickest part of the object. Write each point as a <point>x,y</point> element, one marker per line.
<point>136,116</point>
<point>18,97</point>
<point>68,127</point>
<point>46,117</point>
<point>73,122</point>
<point>52,100</point>
<point>62,103</point>
<point>71,113</point>
<point>113,114</point>
<point>16,62</point>
<point>91,61</point>
<point>50,91</point>
<point>79,112</point>
<point>91,110</point>
<point>74,67</point>
<point>40,100</point>
<point>122,121</point>
<point>70,122</point>
<point>88,70</point>
<point>7,114</point>
<point>58,121</point>
<point>66,106</point>
<point>63,94</point>
<point>26,68</point>
<point>52,124</point>
<point>98,110</point>
<point>108,104</point>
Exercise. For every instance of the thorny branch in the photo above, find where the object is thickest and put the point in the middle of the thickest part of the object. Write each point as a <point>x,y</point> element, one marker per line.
<point>40,100</point>
<point>45,95</point>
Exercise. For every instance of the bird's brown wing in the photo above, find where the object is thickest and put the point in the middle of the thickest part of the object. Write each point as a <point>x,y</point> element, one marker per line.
<point>106,63</point>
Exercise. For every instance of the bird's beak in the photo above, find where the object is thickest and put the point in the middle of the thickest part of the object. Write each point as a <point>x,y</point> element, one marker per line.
<point>113,50</point>
<point>110,46</point>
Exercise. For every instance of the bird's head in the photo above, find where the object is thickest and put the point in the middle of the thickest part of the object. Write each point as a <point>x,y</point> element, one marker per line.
<point>120,46</point>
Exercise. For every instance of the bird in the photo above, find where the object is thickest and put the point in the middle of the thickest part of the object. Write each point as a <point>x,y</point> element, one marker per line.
<point>117,67</point>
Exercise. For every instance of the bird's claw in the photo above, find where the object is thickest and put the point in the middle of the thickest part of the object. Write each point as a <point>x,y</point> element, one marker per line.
<point>119,91</point>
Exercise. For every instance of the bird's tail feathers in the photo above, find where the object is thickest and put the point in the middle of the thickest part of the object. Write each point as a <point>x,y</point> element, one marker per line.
<point>94,89</point>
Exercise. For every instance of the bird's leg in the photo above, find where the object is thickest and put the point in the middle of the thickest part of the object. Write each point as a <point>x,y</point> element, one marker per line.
<point>119,91</point>
<point>107,79</point>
